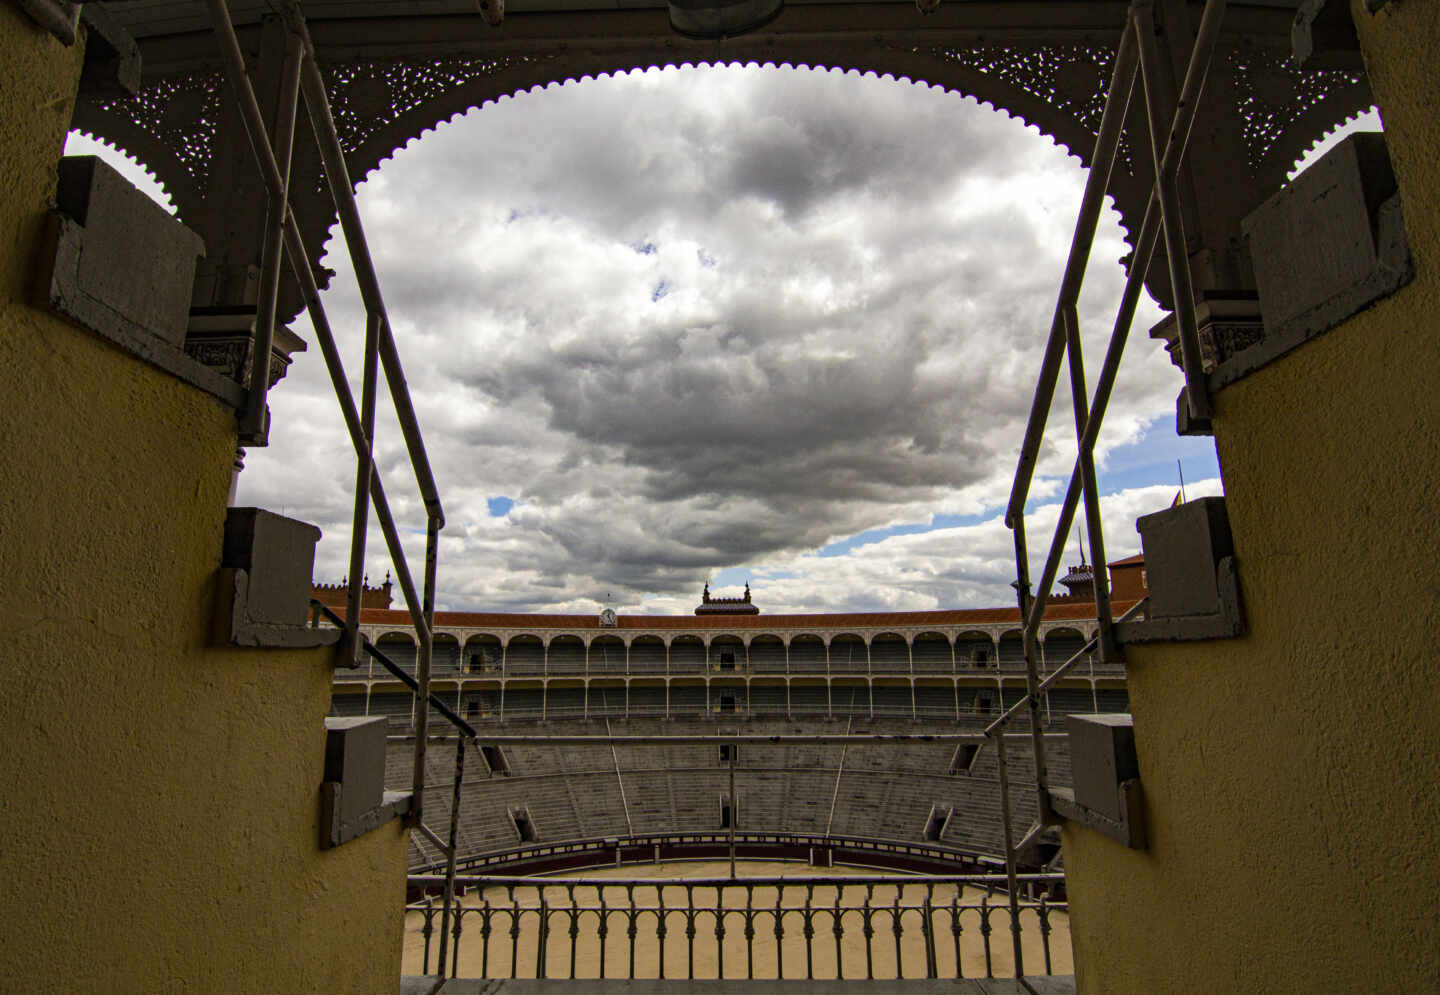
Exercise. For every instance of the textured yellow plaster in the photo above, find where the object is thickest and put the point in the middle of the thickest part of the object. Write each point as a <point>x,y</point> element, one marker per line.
<point>1290,776</point>
<point>159,812</point>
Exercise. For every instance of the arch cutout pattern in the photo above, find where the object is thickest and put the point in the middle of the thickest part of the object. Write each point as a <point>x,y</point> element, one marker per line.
<point>172,123</point>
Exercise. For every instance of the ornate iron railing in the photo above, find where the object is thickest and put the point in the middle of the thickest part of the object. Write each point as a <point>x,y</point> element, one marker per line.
<point>805,926</point>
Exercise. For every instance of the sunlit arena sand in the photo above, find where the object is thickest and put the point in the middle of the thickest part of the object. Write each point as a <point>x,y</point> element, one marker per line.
<point>474,963</point>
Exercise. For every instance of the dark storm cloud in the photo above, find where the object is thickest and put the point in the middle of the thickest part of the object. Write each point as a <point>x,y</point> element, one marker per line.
<point>689,320</point>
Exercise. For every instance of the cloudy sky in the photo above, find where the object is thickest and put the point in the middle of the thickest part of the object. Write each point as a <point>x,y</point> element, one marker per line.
<point>724,324</point>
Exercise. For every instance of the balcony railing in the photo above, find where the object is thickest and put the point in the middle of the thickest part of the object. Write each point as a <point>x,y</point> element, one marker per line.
<point>804,926</point>
<point>656,847</point>
<point>962,668</point>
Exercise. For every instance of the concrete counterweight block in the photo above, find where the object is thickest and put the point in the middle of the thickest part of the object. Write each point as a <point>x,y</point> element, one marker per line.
<point>1106,796</point>
<point>1102,758</point>
<point>122,265</point>
<point>353,799</point>
<point>1328,245</point>
<point>265,581</point>
<point>1317,245</point>
<point>1191,571</point>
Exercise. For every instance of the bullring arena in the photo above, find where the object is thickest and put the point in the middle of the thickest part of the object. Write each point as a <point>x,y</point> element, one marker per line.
<point>658,775</point>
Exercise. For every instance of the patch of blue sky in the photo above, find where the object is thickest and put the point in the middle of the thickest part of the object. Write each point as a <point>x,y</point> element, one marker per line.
<point>774,575</point>
<point>1153,460</point>
<point>499,505</point>
<point>847,545</point>
<point>645,248</point>
<point>1148,461</point>
<point>661,289</point>
<point>731,576</point>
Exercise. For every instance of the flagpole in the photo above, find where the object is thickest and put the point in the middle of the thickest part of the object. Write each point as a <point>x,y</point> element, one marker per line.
<point>1181,471</point>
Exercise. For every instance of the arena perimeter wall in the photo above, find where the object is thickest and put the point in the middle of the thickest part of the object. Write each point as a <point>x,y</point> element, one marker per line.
<point>1289,776</point>
<point>159,818</point>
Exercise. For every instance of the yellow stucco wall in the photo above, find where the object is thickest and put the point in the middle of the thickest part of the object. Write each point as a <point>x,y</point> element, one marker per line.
<point>159,810</point>
<point>1291,776</point>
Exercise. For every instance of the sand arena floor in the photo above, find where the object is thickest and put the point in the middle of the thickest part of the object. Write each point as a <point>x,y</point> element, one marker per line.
<point>474,962</point>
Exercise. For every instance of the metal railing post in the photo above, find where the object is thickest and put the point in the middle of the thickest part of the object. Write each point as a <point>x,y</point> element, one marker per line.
<point>422,673</point>
<point>1012,884</point>
<point>254,420</point>
<point>1102,162</point>
<point>449,895</point>
<point>364,473</point>
<point>1166,170</point>
<point>1085,460</point>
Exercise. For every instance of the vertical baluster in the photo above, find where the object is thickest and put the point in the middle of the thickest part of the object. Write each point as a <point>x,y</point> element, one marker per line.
<point>690,932</point>
<point>1045,931</point>
<point>660,927</point>
<point>837,926</point>
<point>985,933</point>
<point>455,952</point>
<point>426,931</point>
<point>779,934</point>
<point>540,941</point>
<point>720,929</point>
<point>956,928</point>
<point>926,911</point>
<point>604,928</point>
<point>485,914</point>
<point>896,928</point>
<point>574,926</point>
<point>514,930</point>
<point>868,929</point>
<point>631,928</point>
<point>750,932</point>
<point>809,930</point>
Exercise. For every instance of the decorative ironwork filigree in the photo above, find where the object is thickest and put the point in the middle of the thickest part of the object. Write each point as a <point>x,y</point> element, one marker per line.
<point>180,114</point>
<point>1272,94</point>
<point>367,96</point>
<point>1071,79</point>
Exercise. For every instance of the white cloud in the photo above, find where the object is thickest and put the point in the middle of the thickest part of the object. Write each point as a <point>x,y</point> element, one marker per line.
<point>689,320</point>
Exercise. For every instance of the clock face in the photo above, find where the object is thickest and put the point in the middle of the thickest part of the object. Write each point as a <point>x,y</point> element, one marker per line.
<point>607,617</point>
